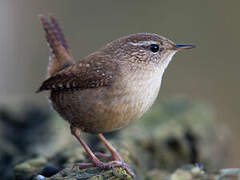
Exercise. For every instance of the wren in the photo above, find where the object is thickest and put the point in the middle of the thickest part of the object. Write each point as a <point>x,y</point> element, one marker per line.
<point>107,89</point>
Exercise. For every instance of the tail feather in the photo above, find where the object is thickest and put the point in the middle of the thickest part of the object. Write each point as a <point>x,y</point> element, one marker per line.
<point>60,56</point>
<point>58,33</point>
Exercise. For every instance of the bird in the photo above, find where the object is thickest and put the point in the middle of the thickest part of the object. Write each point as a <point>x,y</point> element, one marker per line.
<point>108,89</point>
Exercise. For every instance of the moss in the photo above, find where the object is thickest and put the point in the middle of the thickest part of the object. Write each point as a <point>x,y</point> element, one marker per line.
<point>29,168</point>
<point>91,174</point>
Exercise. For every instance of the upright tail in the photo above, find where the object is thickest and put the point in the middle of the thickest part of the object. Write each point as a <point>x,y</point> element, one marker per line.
<point>60,56</point>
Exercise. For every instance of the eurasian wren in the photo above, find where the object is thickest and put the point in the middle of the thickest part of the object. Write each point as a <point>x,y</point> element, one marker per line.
<point>107,89</point>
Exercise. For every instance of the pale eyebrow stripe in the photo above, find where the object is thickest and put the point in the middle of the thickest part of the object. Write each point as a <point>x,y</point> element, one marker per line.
<point>143,43</point>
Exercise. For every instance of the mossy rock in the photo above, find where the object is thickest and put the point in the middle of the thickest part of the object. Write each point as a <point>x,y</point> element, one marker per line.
<point>91,174</point>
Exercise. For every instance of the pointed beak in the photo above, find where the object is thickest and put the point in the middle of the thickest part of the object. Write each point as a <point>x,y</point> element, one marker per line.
<point>184,46</point>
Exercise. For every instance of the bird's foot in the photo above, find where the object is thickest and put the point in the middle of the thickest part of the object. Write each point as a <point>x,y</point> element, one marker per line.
<point>107,156</point>
<point>107,165</point>
<point>101,155</point>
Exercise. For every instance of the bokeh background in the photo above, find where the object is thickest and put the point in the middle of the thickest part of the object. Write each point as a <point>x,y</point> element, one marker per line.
<point>209,73</point>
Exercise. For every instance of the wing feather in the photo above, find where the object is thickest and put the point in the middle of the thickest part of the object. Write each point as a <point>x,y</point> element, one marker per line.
<point>93,72</point>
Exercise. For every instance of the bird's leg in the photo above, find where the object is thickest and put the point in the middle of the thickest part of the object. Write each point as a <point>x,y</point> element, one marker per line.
<point>103,155</point>
<point>115,155</point>
<point>113,151</point>
<point>95,161</point>
<point>75,132</point>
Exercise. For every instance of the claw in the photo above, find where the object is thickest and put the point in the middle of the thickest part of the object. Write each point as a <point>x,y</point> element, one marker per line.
<point>95,162</point>
<point>103,156</point>
<point>108,165</point>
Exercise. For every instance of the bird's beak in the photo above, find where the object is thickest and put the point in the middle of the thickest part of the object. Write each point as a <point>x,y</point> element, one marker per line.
<point>179,47</point>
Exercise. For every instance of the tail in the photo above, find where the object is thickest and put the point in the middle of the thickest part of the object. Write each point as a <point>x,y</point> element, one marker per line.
<point>60,56</point>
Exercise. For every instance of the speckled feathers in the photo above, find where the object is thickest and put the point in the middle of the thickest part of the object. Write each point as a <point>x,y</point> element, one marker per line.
<point>92,72</point>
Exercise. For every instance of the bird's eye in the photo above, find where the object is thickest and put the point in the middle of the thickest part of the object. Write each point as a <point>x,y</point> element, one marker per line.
<point>154,48</point>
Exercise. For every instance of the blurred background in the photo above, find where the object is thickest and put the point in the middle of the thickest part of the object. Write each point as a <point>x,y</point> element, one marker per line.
<point>208,73</point>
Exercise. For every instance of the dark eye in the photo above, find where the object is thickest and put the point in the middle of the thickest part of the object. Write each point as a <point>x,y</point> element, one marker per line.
<point>154,48</point>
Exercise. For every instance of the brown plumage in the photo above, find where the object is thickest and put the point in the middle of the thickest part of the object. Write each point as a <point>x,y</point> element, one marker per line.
<point>109,88</point>
<point>60,56</point>
<point>81,75</point>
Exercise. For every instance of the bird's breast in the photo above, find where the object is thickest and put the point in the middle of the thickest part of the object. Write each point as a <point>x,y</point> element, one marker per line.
<point>136,93</point>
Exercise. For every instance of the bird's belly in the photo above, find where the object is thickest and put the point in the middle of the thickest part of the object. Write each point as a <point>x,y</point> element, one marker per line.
<point>106,109</point>
<point>136,97</point>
